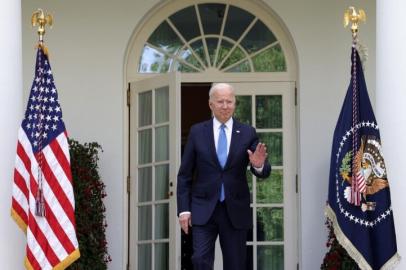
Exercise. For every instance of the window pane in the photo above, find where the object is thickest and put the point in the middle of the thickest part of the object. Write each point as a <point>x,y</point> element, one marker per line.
<point>184,68</point>
<point>273,141</point>
<point>144,222</point>
<point>270,258</point>
<point>270,190</point>
<point>162,256</point>
<point>212,47</point>
<point>144,257</point>
<point>162,105</point>
<point>258,37</point>
<point>165,38</point>
<point>212,17</point>
<point>243,67</point>
<point>198,48</point>
<point>145,146</point>
<point>145,184</point>
<point>271,60</point>
<point>153,61</point>
<point>235,56</point>
<point>162,143</point>
<point>237,21</point>
<point>161,182</point>
<point>269,224</point>
<point>185,21</point>
<point>225,47</point>
<point>145,109</point>
<point>162,221</point>
<point>188,56</point>
<point>243,110</point>
<point>269,111</point>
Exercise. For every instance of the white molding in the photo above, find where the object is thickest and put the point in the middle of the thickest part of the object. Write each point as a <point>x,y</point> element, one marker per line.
<point>163,10</point>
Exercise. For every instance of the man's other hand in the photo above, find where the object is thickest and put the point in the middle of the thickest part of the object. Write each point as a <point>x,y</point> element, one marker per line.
<point>185,220</point>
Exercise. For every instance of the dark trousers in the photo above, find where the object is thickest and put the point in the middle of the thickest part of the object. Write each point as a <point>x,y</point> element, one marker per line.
<point>232,242</point>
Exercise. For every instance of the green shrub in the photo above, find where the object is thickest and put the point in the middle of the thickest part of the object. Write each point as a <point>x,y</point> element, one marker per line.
<point>336,257</point>
<point>89,208</point>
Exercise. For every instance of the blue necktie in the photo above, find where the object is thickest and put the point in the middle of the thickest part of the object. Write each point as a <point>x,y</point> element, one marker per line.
<point>222,154</point>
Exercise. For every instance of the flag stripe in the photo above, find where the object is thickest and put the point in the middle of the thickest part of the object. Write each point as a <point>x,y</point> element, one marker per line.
<point>19,210</point>
<point>361,182</point>
<point>36,250</point>
<point>32,260</point>
<point>56,188</point>
<point>52,229</point>
<point>60,154</point>
<point>22,189</point>
<point>63,146</point>
<point>42,240</point>
<point>59,231</point>
<point>22,153</point>
<point>59,171</point>
<point>54,206</point>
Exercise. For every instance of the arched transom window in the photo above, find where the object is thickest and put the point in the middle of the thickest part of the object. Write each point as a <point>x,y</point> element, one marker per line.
<point>212,36</point>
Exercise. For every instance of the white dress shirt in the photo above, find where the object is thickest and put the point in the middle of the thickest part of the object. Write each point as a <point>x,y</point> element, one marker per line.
<point>228,129</point>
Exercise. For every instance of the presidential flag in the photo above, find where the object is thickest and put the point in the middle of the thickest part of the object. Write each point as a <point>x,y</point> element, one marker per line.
<point>43,202</point>
<point>359,203</point>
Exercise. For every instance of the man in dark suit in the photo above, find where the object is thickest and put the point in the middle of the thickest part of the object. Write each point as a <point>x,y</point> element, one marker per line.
<point>212,190</point>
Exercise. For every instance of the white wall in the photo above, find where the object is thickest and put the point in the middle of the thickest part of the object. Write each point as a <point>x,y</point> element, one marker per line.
<point>390,106</point>
<point>87,47</point>
<point>10,119</point>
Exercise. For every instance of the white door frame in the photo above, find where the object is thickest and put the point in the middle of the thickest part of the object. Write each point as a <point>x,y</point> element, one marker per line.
<point>290,156</point>
<point>173,81</point>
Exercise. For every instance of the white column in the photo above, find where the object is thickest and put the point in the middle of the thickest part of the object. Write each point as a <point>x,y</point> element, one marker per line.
<point>12,244</point>
<point>391,105</point>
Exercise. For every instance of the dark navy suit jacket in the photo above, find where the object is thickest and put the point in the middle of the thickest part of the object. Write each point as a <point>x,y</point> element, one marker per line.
<point>200,174</point>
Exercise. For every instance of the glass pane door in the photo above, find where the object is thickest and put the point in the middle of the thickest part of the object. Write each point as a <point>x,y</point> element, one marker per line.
<point>153,124</point>
<point>269,107</point>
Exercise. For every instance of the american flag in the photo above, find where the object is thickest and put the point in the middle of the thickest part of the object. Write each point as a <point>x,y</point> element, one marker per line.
<point>42,178</point>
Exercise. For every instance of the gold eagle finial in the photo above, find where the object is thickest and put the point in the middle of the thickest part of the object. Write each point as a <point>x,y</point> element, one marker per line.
<point>40,19</point>
<point>351,16</point>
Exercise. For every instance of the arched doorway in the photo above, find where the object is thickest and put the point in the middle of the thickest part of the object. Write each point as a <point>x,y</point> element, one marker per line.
<point>176,52</point>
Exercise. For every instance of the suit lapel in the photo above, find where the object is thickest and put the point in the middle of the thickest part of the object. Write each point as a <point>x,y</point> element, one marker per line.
<point>234,142</point>
<point>212,146</point>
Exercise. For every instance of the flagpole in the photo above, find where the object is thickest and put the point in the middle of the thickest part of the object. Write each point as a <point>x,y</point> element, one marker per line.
<point>357,181</point>
<point>354,17</point>
<point>40,19</point>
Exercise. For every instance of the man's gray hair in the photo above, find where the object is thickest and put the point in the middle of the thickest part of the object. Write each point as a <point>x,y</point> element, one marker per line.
<point>218,86</point>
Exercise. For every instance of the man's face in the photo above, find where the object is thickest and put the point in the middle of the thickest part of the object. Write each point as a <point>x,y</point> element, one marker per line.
<point>222,104</point>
